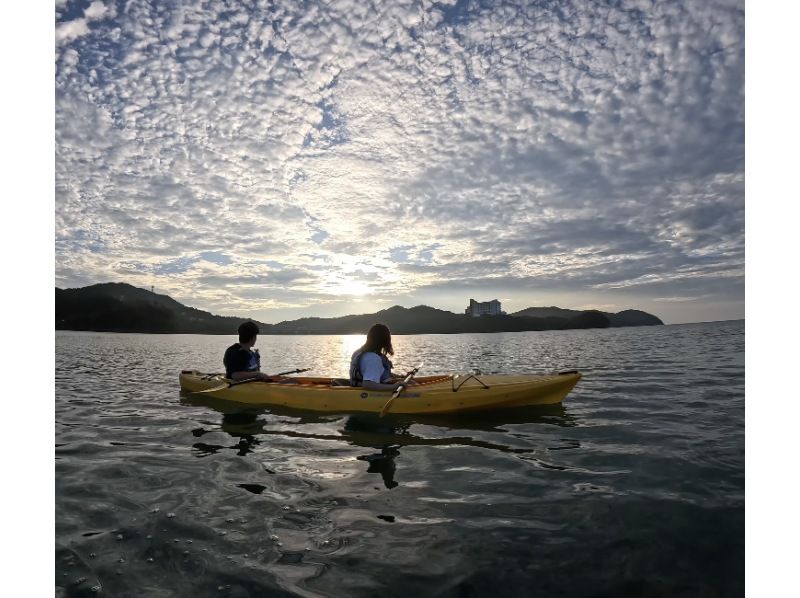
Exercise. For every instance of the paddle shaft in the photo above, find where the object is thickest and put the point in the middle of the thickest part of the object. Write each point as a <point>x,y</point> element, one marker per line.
<point>230,384</point>
<point>275,376</point>
<point>396,393</point>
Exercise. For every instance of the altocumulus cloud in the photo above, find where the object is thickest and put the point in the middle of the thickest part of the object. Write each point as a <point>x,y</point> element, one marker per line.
<point>269,157</point>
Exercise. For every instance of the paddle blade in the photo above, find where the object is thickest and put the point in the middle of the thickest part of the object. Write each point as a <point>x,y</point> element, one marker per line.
<point>227,385</point>
<point>212,389</point>
<point>388,404</point>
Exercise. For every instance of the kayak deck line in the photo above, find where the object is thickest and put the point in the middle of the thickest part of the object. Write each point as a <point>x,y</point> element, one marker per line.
<point>431,394</point>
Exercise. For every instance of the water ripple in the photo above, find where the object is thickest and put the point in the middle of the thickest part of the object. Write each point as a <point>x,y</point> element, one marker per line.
<point>635,486</point>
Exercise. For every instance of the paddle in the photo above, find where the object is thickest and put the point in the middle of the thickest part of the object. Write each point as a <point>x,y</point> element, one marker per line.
<point>403,384</point>
<point>229,384</point>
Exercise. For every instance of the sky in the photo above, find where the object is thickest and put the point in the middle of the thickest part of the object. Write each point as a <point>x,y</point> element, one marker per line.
<point>680,61</point>
<point>277,160</point>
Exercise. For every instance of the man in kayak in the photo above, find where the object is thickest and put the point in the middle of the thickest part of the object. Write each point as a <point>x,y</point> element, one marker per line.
<point>370,366</point>
<point>242,362</point>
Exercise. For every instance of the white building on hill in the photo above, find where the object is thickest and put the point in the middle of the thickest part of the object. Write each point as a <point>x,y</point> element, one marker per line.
<point>485,308</point>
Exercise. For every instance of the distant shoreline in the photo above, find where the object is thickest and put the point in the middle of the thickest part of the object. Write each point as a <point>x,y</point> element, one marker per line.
<point>395,334</point>
<point>120,307</point>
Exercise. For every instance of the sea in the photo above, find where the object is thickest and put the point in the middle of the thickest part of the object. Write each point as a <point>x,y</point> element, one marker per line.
<point>634,486</point>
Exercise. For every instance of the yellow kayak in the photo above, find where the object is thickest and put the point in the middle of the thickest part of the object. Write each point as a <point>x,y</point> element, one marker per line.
<point>431,394</point>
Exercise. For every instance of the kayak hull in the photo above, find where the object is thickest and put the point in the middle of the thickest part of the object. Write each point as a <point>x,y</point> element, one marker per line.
<point>432,394</point>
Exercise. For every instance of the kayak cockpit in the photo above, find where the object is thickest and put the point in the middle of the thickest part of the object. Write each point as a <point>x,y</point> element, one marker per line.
<point>345,382</point>
<point>306,381</point>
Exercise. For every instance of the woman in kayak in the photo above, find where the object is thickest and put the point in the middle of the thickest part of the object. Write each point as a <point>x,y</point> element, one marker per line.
<point>242,362</point>
<point>370,366</point>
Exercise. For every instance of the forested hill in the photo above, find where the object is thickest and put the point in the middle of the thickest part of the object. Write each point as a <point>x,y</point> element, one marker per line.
<point>628,317</point>
<point>120,307</point>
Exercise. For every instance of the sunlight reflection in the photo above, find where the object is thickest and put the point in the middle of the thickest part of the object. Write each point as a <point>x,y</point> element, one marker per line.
<point>350,342</point>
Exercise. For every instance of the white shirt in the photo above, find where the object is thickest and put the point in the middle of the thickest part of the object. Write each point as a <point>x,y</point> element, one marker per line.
<point>371,367</point>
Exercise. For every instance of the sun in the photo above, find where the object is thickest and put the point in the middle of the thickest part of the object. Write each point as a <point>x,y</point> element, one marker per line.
<point>348,288</point>
<point>351,288</point>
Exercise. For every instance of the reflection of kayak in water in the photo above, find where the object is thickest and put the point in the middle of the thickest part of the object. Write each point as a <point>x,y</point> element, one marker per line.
<point>431,394</point>
<point>250,425</point>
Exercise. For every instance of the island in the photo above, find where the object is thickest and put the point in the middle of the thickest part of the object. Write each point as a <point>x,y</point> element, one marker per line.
<point>120,307</point>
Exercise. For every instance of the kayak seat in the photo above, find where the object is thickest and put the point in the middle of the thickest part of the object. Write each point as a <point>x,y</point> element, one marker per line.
<point>340,381</point>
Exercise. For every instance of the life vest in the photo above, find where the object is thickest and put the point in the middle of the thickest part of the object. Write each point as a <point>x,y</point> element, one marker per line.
<point>356,377</point>
<point>255,361</point>
<point>231,358</point>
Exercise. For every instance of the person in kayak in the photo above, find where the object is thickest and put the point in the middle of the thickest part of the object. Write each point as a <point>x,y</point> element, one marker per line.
<point>242,362</point>
<point>370,366</point>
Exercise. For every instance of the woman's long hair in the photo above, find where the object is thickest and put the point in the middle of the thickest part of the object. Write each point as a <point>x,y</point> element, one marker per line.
<point>379,340</point>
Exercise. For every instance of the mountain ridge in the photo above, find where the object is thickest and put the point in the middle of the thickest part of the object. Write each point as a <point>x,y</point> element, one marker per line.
<point>120,307</point>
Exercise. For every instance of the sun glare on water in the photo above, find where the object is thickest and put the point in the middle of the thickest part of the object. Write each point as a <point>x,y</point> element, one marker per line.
<point>350,342</point>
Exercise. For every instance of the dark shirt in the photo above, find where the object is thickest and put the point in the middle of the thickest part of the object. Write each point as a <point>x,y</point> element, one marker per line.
<point>239,359</point>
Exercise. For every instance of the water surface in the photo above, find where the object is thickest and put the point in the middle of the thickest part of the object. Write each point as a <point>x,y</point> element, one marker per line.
<point>633,487</point>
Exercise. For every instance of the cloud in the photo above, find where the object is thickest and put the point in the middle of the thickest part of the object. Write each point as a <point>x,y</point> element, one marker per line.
<point>71,30</point>
<point>96,10</point>
<point>403,145</point>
